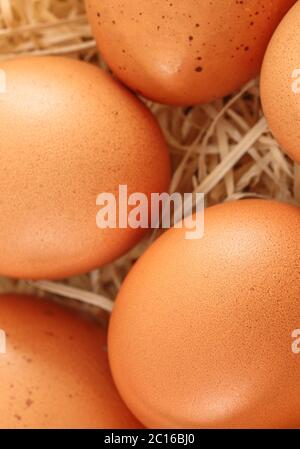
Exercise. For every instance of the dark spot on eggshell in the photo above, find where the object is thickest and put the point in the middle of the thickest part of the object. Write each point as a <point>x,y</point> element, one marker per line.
<point>50,334</point>
<point>29,402</point>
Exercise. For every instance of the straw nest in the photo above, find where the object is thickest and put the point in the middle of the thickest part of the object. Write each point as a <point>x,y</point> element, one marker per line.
<point>223,149</point>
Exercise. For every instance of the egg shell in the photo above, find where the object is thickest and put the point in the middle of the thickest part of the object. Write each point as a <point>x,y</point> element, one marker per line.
<point>280,83</point>
<point>55,372</point>
<point>69,132</point>
<point>201,334</point>
<point>185,52</point>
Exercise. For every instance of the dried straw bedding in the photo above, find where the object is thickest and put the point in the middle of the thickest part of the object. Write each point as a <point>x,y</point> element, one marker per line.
<point>223,149</point>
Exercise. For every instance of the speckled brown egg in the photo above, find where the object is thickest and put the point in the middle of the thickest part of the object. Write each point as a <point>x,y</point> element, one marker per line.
<point>55,373</point>
<point>201,334</point>
<point>186,52</point>
<point>69,132</point>
<point>280,83</point>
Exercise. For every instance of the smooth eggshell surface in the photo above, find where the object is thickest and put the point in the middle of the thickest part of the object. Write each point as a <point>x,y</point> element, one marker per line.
<point>186,52</point>
<point>55,371</point>
<point>201,334</point>
<point>69,132</point>
<point>280,83</point>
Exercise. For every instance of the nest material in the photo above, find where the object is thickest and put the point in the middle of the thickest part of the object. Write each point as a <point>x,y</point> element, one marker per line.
<point>223,149</point>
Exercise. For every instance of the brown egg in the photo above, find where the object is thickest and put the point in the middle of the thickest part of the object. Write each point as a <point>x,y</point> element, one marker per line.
<point>201,334</point>
<point>55,371</point>
<point>185,52</point>
<point>69,132</point>
<point>280,83</point>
